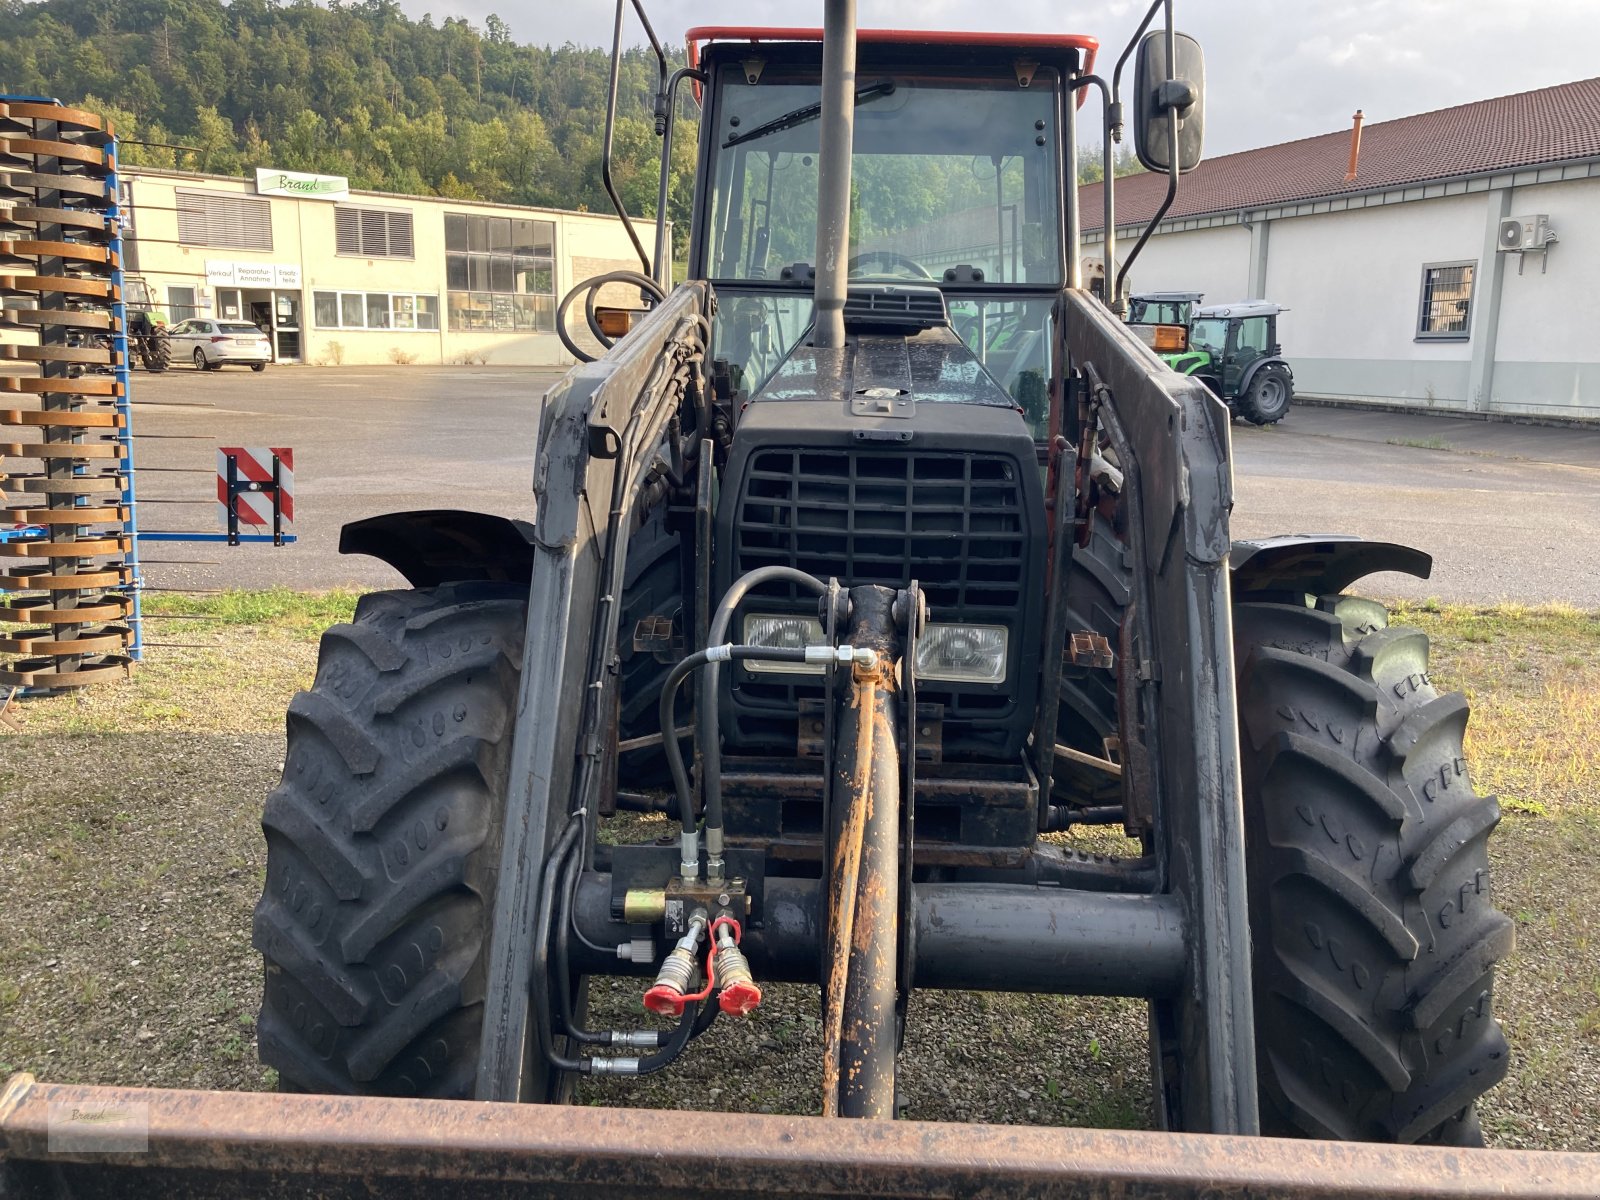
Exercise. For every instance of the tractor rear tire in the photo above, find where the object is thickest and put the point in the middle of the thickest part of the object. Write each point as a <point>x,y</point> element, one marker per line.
<point>1266,400</point>
<point>156,351</point>
<point>383,845</point>
<point>1374,936</point>
<point>1099,588</point>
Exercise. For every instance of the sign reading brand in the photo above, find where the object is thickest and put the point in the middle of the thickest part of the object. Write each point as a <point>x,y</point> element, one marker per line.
<point>271,182</point>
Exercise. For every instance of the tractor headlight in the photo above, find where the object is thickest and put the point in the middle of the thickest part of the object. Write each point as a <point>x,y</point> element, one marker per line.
<point>963,653</point>
<point>783,632</point>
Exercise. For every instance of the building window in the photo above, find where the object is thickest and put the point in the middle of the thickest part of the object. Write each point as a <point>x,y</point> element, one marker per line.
<point>180,304</point>
<point>372,232</point>
<point>1446,313</point>
<point>501,273</point>
<point>224,219</point>
<point>374,310</point>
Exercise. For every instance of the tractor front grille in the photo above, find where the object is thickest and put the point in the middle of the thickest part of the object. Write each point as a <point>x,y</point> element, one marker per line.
<point>958,523</point>
<point>955,523</point>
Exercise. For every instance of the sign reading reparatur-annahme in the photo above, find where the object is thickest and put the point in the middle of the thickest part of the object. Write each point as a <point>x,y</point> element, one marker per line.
<point>272,182</point>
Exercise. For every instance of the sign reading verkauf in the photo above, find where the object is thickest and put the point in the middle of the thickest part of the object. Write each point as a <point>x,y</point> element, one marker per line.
<point>272,182</point>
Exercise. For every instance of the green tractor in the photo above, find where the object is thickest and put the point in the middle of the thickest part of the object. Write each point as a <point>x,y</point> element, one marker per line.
<point>1233,349</point>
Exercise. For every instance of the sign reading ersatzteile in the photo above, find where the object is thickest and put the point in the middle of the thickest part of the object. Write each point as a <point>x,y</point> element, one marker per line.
<point>272,182</point>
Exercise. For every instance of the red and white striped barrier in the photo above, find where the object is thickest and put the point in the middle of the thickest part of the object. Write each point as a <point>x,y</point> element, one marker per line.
<point>255,485</point>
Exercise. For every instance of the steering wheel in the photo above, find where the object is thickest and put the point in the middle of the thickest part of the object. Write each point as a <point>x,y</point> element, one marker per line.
<point>891,260</point>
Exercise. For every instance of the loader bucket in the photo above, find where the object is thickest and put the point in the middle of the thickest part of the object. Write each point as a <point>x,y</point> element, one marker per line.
<point>258,1144</point>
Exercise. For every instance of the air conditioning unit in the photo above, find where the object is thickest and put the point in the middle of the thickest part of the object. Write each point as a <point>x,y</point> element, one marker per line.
<point>1526,233</point>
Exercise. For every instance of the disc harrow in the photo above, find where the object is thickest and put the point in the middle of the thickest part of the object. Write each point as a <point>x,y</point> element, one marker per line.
<point>68,567</point>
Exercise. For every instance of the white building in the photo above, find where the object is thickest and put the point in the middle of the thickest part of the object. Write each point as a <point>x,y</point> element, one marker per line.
<point>1400,287</point>
<point>337,276</point>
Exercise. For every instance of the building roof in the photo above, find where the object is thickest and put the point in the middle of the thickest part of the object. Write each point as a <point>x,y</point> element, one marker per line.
<point>1553,124</point>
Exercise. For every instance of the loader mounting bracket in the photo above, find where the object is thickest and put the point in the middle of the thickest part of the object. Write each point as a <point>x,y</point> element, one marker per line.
<point>445,545</point>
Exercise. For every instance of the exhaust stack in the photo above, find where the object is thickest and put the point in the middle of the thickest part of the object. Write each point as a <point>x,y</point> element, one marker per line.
<point>833,174</point>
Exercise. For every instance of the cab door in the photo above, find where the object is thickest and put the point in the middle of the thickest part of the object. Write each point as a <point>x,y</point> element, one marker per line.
<point>1248,340</point>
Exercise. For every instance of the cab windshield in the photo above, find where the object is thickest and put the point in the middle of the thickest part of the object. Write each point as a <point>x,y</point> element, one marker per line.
<point>948,174</point>
<point>1210,335</point>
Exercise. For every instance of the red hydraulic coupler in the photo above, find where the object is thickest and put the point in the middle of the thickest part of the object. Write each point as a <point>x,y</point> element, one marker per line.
<point>740,995</point>
<point>670,992</point>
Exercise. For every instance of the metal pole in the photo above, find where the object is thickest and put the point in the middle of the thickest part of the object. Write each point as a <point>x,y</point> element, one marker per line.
<point>1074,231</point>
<point>833,176</point>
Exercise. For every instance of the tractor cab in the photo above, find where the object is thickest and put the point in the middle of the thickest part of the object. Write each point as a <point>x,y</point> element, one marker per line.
<point>1162,308</point>
<point>1161,319</point>
<point>956,199</point>
<point>1233,349</point>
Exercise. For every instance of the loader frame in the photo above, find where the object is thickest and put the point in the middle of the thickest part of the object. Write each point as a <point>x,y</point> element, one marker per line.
<point>244,1143</point>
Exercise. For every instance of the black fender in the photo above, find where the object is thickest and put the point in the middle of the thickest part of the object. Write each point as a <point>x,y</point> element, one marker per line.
<point>1319,564</point>
<point>1250,372</point>
<point>445,545</point>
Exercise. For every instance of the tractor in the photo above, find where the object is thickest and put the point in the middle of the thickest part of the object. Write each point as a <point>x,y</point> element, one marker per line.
<point>1233,349</point>
<point>888,553</point>
<point>880,557</point>
<point>147,325</point>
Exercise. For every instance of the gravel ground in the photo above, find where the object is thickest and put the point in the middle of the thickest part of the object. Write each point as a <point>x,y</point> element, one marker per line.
<point>133,859</point>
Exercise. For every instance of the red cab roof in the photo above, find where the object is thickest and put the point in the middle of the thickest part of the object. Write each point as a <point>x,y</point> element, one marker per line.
<point>925,37</point>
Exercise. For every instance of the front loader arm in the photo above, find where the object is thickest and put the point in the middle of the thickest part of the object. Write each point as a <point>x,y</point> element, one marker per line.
<point>1181,744</point>
<point>599,433</point>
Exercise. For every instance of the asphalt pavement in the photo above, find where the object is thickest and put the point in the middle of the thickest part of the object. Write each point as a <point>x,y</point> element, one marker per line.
<point>1509,512</point>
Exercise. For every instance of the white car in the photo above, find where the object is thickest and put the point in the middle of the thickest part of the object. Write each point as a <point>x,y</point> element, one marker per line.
<point>211,344</point>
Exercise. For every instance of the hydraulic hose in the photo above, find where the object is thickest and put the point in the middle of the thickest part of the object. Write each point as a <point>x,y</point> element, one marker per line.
<point>689,1026</point>
<point>708,657</point>
<point>708,720</point>
<point>541,947</point>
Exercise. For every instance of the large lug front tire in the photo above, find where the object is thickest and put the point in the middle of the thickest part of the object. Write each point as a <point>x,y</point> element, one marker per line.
<point>1373,929</point>
<point>383,846</point>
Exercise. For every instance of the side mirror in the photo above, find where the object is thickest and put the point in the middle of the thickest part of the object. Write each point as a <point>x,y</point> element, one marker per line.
<point>1160,88</point>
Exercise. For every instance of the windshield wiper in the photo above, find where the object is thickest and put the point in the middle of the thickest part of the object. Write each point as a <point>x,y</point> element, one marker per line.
<point>809,113</point>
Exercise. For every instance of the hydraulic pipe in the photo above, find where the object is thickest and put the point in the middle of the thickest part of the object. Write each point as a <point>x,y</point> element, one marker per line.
<point>844,881</point>
<point>866,1087</point>
<point>837,136</point>
<point>863,886</point>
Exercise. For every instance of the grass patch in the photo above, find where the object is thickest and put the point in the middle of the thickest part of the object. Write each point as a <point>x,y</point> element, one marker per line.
<point>281,609</point>
<point>1532,676</point>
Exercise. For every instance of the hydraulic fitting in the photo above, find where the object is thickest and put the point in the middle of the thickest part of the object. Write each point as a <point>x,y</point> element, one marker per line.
<point>613,1066</point>
<point>676,976</point>
<point>689,856</point>
<point>639,949</point>
<point>644,906</point>
<point>739,993</point>
<point>715,863</point>
<point>641,1039</point>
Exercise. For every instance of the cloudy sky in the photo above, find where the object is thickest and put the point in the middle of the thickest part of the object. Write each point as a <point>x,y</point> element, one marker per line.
<point>1277,69</point>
